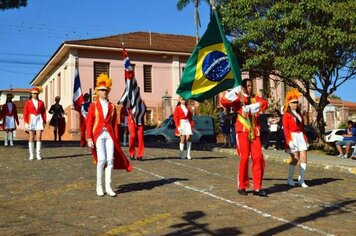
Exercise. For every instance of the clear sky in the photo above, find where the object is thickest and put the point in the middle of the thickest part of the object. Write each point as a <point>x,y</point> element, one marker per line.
<point>29,36</point>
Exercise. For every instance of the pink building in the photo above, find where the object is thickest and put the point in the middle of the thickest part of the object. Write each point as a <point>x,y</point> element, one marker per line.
<point>159,60</point>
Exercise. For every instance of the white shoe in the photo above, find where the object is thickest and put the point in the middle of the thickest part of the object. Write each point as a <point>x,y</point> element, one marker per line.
<point>189,157</point>
<point>303,185</point>
<point>110,192</point>
<point>340,156</point>
<point>291,183</point>
<point>30,158</point>
<point>345,156</point>
<point>39,157</point>
<point>99,191</point>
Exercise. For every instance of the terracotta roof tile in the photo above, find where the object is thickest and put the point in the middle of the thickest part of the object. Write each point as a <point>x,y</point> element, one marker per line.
<point>18,90</point>
<point>144,41</point>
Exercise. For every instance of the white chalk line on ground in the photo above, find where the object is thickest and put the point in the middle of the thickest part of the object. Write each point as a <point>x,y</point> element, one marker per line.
<point>264,214</point>
<point>322,204</point>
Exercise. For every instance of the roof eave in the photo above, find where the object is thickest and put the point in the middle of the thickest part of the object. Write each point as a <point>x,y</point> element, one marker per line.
<point>65,47</point>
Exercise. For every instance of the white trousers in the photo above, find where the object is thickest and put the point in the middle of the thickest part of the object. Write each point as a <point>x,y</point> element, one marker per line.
<point>105,150</point>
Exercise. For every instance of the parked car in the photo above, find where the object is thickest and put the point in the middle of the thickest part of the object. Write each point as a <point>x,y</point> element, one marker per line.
<point>309,130</point>
<point>332,136</point>
<point>203,132</point>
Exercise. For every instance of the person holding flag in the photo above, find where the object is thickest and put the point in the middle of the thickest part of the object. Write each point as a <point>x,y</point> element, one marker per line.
<point>247,129</point>
<point>136,109</point>
<point>103,137</point>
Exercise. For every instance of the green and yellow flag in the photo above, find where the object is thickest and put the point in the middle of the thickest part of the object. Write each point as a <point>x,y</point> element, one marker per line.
<point>212,67</point>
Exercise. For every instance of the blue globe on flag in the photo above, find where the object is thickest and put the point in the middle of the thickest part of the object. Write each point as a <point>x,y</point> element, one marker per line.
<point>216,66</point>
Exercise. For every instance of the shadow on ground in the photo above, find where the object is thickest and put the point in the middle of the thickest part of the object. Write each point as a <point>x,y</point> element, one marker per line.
<point>191,226</point>
<point>133,187</point>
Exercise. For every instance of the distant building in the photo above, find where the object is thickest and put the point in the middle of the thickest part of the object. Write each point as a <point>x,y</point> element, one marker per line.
<point>339,112</point>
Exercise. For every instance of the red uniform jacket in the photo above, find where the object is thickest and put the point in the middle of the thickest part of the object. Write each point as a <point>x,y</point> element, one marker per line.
<point>179,115</point>
<point>5,112</point>
<point>30,109</point>
<point>254,118</point>
<point>95,125</point>
<point>290,125</point>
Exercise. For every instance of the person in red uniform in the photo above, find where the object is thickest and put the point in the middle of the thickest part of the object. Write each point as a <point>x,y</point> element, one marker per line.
<point>296,139</point>
<point>183,120</point>
<point>136,134</point>
<point>247,128</point>
<point>83,119</point>
<point>10,119</point>
<point>34,116</point>
<point>103,137</point>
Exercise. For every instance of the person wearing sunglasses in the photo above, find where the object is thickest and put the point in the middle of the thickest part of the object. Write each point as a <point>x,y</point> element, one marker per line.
<point>295,136</point>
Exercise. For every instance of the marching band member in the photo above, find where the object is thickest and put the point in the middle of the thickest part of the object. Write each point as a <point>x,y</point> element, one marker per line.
<point>103,136</point>
<point>35,121</point>
<point>183,120</point>
<point>247,129</point>
<point>296,139</point>
<point>83,118</point>
<point>10,119</point>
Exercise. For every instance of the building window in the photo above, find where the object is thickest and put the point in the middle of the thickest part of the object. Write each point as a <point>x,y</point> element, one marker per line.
<point>100,67</point>
<point>147,78</point>
<point>148,117</point>
<point>24,98</point>
<point>59,84</point>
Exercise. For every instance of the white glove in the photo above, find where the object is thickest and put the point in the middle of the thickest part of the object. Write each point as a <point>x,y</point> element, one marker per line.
<point>291,145</point>
<point>237,89</point>
<point>254,107</point>
<point>245,109</point>
<point>27,126</point>
<point>90,143</point>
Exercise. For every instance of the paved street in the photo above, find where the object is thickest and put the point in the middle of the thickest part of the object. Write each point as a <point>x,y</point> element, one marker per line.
<point>166,196</point>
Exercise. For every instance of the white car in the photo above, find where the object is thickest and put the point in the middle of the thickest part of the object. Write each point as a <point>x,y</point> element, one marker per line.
<point>334,135</point>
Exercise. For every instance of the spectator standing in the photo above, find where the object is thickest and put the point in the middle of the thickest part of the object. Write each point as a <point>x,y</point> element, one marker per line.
<point>274,129</point>
<point>233,117</point>
<point>224,123</point>
<point>348,140</point>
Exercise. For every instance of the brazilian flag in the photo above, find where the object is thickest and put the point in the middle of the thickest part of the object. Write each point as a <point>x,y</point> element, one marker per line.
<point>212,67</point>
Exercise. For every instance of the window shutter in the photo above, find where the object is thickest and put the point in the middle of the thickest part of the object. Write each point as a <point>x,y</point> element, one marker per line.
<point>147,78</point>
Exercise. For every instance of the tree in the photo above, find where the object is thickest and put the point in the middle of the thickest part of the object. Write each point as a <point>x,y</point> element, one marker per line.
<point>308,44</point>
<point>10,4</point>
<point>183,3</point>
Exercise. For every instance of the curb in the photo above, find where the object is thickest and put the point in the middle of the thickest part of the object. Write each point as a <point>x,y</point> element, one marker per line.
<point>276,156</point>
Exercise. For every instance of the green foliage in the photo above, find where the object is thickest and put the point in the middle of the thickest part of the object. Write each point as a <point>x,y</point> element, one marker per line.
<point>208,107</point>
<point>342,125</point>
<point>10,4</point>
